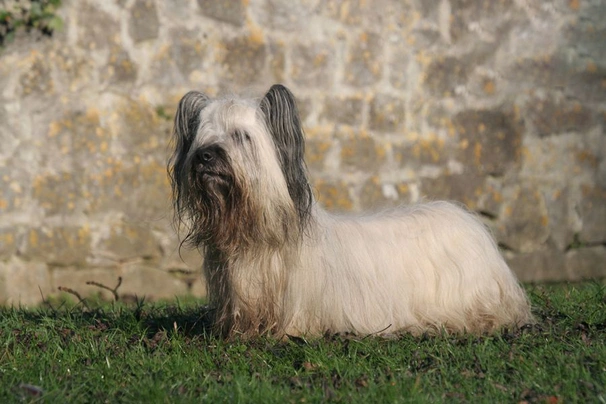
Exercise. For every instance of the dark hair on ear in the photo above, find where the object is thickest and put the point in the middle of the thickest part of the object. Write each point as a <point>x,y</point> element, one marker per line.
<point>282,118</point>
<point>187,121</point>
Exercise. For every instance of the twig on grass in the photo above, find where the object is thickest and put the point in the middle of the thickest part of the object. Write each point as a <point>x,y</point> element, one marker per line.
<point>46,301</point>
<point>102,286</point>
<point>73,292</point>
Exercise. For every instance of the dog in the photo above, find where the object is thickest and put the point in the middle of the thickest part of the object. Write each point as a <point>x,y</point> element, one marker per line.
<point>277,264</point>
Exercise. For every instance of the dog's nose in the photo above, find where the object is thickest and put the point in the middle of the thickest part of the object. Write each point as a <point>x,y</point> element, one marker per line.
<point>206,156</point>
<point>203,159</point>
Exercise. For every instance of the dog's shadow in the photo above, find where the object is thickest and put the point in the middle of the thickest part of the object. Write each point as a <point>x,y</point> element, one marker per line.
<point>143,321</point>
<point>127,311</point>
<point>192,321</point>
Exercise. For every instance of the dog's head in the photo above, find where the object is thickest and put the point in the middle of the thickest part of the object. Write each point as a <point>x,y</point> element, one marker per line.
<point>237,172</point>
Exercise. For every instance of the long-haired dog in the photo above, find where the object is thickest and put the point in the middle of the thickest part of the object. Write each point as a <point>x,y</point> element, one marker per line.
<point>276,263</point>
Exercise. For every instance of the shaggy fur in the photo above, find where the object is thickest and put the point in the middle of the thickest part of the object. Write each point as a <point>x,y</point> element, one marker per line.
<point>276,263</point>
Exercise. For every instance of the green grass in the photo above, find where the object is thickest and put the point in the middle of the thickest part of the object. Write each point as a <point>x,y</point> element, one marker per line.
<point>32,15</point>
<point>160,353</point>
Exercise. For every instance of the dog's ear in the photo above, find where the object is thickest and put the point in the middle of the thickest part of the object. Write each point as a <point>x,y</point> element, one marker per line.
<point>187,118</point>
<point>279,109</point>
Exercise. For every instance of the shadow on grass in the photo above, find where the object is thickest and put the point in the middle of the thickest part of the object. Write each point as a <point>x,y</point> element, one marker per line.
<point>145,321</point>
<point>192,319</point>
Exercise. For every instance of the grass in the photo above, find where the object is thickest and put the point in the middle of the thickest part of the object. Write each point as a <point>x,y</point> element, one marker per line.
<point>32,15</point>
<point>160,353</point>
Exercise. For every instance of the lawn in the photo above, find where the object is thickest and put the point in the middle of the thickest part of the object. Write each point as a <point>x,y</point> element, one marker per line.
<point>159,352</point>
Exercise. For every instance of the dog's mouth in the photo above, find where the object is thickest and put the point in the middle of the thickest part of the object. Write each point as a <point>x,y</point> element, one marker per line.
<point>208,165</point>
<point>210,176</point>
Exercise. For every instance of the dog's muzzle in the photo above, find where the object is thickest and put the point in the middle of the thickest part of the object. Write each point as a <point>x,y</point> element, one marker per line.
<point>203,160</point>
<point>208,166</point>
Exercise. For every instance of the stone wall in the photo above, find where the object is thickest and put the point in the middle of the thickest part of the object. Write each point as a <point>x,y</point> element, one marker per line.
<point>498,104</point>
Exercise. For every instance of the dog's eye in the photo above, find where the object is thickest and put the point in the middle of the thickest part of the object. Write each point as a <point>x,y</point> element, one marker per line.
<point>241,136</point>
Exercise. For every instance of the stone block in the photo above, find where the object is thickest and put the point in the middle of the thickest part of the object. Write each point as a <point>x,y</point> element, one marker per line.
<point>362,152</point>
<point>174,11</point>
<point>559,159</point>
<point>144,24</point>
<point>120,69</point>
<point>97,30</point>
<point>12,181</point>
<point>490,14</point>
<point>376,195</point>
<point>140,129</point>
<point>244,59</point>
<point>277,62</point>
<point>562,226</point>
<point>549,71</point>
<point>8,135</point>
<point>108,190</point>
<point>57,193</point>
<point>232,12</point>
<point>80,140</point>
<point>387,114</point>
<point>548,116</point>
<point>23,283</point>
<point>129,240</point>
<point>588,32</point>
<point>586,263</point>
<point>600,176</point>
<point>444,74</point>
<point>491,199</point>
<point>138,280</point>
<point>152,201</point>
<point>399,74</point>
<point>151,282</point>
<point>429,150</point>
<point>356,13</point>
<point>593,215</point>
<point>345,110</point>
<point>37,79</point>
<point>587,82</point>
<point>76,279</point>
<point>8,242</point>
<point>285,15</point>
<point>316,151</point>
<point>538,266</point>
<point>60,246</point>
<point>524,221</point>
<point>490,140</point>
<point>197,287</point>
<point>140,135</point>
<point>305,108</point>
<point>347,11</point>
<point>312,64</point>
<point>363,65</point>
<point>424,38</point>
<point>187,51</point>
<point>141,191</point>
<point>74,69</point>
<point>465,188</point>
<point>429,8</point>
<point>333,195</point>
<point>180,258</point>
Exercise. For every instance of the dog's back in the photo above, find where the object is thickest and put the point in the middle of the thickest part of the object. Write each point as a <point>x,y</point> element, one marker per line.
<point>420,268</point>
